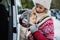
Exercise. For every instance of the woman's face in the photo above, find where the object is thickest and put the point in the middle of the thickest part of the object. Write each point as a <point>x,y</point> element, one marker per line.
<point>39,8</point>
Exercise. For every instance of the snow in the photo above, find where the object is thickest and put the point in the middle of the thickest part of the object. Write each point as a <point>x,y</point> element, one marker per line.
<point>56,28</point>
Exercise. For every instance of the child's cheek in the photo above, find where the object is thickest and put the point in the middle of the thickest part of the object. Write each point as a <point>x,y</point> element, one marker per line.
<point>31,19</point>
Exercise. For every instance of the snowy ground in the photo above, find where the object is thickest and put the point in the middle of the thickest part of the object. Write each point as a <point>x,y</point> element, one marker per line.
<point>56,28</point>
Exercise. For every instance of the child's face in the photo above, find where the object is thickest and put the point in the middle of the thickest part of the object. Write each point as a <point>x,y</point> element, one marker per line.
<point>33,18</point>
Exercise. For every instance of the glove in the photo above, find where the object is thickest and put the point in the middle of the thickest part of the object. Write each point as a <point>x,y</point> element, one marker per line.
<point>33,28</point>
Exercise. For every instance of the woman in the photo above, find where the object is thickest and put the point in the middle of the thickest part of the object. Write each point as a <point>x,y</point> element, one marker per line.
<point>45,28</point>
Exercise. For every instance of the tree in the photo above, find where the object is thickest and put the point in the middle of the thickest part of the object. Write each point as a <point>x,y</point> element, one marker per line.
<point>27,4</point>
<point>55,4</point>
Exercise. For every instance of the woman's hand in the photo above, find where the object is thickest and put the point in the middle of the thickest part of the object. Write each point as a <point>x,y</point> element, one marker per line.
<point>30,37</point>
<point>33,28</point>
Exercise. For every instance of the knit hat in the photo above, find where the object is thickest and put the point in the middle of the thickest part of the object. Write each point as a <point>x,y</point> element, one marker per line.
<point>45,3</point>
<point>25,16</point>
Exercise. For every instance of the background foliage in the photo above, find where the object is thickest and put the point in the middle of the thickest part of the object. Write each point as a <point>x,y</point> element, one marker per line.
<point>29,4</point>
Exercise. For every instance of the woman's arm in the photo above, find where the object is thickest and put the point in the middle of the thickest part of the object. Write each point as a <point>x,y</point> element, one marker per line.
<point>48,31</point>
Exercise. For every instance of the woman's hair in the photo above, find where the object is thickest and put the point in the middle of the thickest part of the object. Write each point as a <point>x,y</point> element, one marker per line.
<point>45,10</point>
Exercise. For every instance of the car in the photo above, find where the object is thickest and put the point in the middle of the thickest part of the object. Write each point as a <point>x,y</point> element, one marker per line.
<point>55,13</point>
